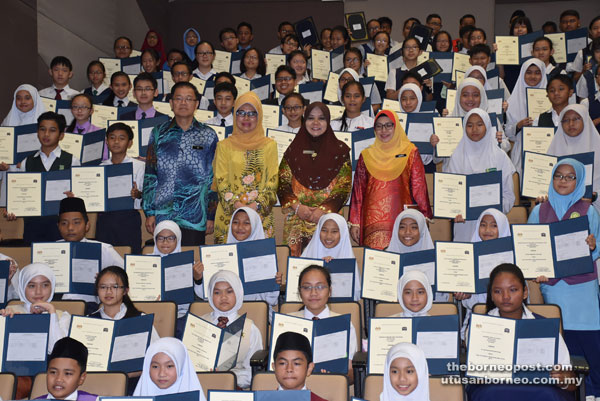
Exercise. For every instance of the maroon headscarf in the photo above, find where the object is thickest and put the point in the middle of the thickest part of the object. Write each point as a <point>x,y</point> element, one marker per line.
<point>316,172</point>
<point>159,47</point>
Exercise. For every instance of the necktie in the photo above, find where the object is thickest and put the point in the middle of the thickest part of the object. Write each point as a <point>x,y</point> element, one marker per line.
<point>58,96</point>
<point>222,322</point>
<point>143,115</point>
<point>120,103</point>
<point>95,92</point>
<point>80,130</point>
<point>222,122</point>
<point>315,318</point>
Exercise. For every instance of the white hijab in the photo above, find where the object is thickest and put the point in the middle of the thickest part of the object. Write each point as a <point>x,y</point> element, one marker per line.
<point>354,75</point>
<point>417,357</point>
<point>343,250</point>
<point>424,242</point>
<point>501,221</point>
<point>234,281</point>
<point>16,117</point>
<point>475,157</point>
<point>415,275</point>
<point>186,376</point>
<point>416,90</point>
<point>486,84</point>
<point>23,276</point>
<point>171,226</point>
<point>257,232</point>
<point>517,102</point>
<point>588,140</point>
<point>458,111</point>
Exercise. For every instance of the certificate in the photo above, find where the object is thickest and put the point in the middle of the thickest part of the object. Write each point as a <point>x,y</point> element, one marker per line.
<point>273,62</point>
<point>203,115</point>
<point>537,169</point>
<point>419,128</point>
<point>321,64</point>
<point>389,104</point>
<point>455,270</point>
<point>217,258</point>
<point>533,250</point>
<point>113,344</point>
<point>357,24</point>
<point>508,50</point>
<point>378,67</point>
<point>220,395</point>
<point>283,140</point>
<point>242,85</point>
<point>58,257</point>
<point>24,343</point>
<point>88,183</point>
<point>537,139</point>
<point>450,198</point>
<point>450,100</point>
<point>559,44</point>
<point>336,111</point>
<point>111,65</point>
<point>210,346</point>
<point>331,87</point>
<point>537,102</point>
<point>345,137</point>
<point>163,107</point>
<point>102,114</point>
<point>450,132</point>
<point>200,84</point>
<point>24,194</point>
<point>144,277</point>
<point>342,273</point>
<point>222,61</point>
<point>380,275</point>
<point>271,116</point>
<point>460,63</point>
<point>7,145</point>
<point>491,342</point>
<point>383,335</point>
<point>329,339</point>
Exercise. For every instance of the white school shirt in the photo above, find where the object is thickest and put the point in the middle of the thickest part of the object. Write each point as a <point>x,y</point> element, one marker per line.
<point>206,76</point>
<point>575,65</point>
<point>120,314</point>
<point>276,50</point>
<point>354,124</point>
<point>125,101</point>
<point>582,88</point>
<point>139,168</point>
<point>110,257</point>
<point>325,313</point>
<point>47,161</point>
<point>216,120</point>
<point>390,84</point>
<point>287,128</point>
<point>66,94</point>
<point>555,119</point>
<point>255,76</point>
<point>100,89</point>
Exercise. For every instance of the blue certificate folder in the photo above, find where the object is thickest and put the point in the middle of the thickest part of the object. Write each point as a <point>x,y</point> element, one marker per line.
<point>4,271</point>
<point>230,338</point>
<point>437,363</point>
<point>246,252</point>
<point>25,343</point>
<point>24,139</point>
<point>175,269</point>
<point>472,181</point>
<point>524,329</point>
<point>265,395</point>
<point>185,396</point>
<point>50,201</point>
<point>566,267</point>
<point>340,269</point>
<point>85,260</point>
<point>486,256</point>
<point>361,139</point>
<point>118,181</point>
<point>92,147</point>
<point>575,41</point>
<point>320,328</point>
<point>419,127</point>
<point>127,333</point>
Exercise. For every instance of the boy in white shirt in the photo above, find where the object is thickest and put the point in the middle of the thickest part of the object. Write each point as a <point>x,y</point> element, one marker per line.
<point>61,71</point>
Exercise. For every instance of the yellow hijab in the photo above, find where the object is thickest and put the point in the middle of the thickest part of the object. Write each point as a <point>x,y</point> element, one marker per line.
<point>382,159</point>
<point>255,139</point>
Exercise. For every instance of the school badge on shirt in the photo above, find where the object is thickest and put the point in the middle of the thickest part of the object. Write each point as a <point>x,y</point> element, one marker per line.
<point>574,215</point>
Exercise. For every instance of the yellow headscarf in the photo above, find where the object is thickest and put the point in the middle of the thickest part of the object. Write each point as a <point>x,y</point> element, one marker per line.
<point>255,139</point>
<point>386,161</point>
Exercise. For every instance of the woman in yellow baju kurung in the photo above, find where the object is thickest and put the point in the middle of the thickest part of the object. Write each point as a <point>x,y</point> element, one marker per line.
<point>245,168</point>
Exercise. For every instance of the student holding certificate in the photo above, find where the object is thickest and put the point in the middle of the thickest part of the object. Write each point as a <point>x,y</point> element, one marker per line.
<point>314,287</point>
<point>532,75</point>
<point>389,175</point>
<point>411,50</point>
<point>332,241</point>
<point>506,297</point>
<point>96,73</point>
<point>293,109</point>
<point>414,294</point>
<point>245,168</point>
<point>543,49</point>
<point>226,297</point>
<point>411,233</point>
<point>353,97</point>
<point>406,375</point>
<point>26,108</point>
<point>167,370</point>
<point>478,152</point>
<point>253,64</point>
<point>577,134</point>
<point>581,325</point>
<point>112,288</point>
<point>205,55</point>
<point>35,288</point>
<point>353,62</point>
<point>82,108</point>
<point>298,61</point>
<point>315,177</point>
<point>560,90</point>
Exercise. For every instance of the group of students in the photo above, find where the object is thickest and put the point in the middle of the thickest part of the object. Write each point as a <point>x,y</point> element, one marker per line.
<point>313,182</point>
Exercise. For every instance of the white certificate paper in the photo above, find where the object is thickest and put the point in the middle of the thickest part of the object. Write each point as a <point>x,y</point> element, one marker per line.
<point>330,347</point>
<point>259,268</point>
<point>130,346</point>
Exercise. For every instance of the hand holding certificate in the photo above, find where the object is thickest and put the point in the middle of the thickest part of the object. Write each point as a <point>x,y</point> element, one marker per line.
<point>378,67</point>
<point>537,139</point>
<point>450,132</point>
<point>537,102</point>
<point>321,64</point>
<point>508,50</point>
<point>342,278</point>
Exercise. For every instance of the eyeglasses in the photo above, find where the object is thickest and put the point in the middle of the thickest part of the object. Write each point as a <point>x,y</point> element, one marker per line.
<point>229,38</point>
<point>147,89</point>
<point>344,80</point>
<point>78,108</point>
<point>122,47</point>
<point>252,57</point>
<point>96,73</point>
<point>290,108</point>
<point>567,178</point>
<point>244,113</point>
<point>380,41</point>
<point>283,79</point>
<point>113,287</point>
<point>180,74</point>
<point>204,54</point>
<point>291,43</point>
<point>168,238</point>
<point>180,99</point>
<point>381,127</point>
<point>309,288</point>
<point>570,120</point>
<point>411,47</point>
<point>352,60</point>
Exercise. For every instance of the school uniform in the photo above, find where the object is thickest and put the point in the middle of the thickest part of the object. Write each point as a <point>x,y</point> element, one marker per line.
<point>100,314</point>
<point>547,119</point>
<point>66,93</point>
<point>44,228</point>
<point>415,355</point>
<point>140,114</point>
<point>226,121</point>
<point>16,117</point>
<point>588,89</point>
<point>313,396</point>
<point>255,76</point>
<point>102,90</point>
<point>276,50</point>
<point>394,81</point>
<point>209,75</point>
<point>114,101</point>
<point>124,227</point>
<point>353,124</point>
<point>77,395</point>
<point>84,129</point>
<point>577,64</point>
